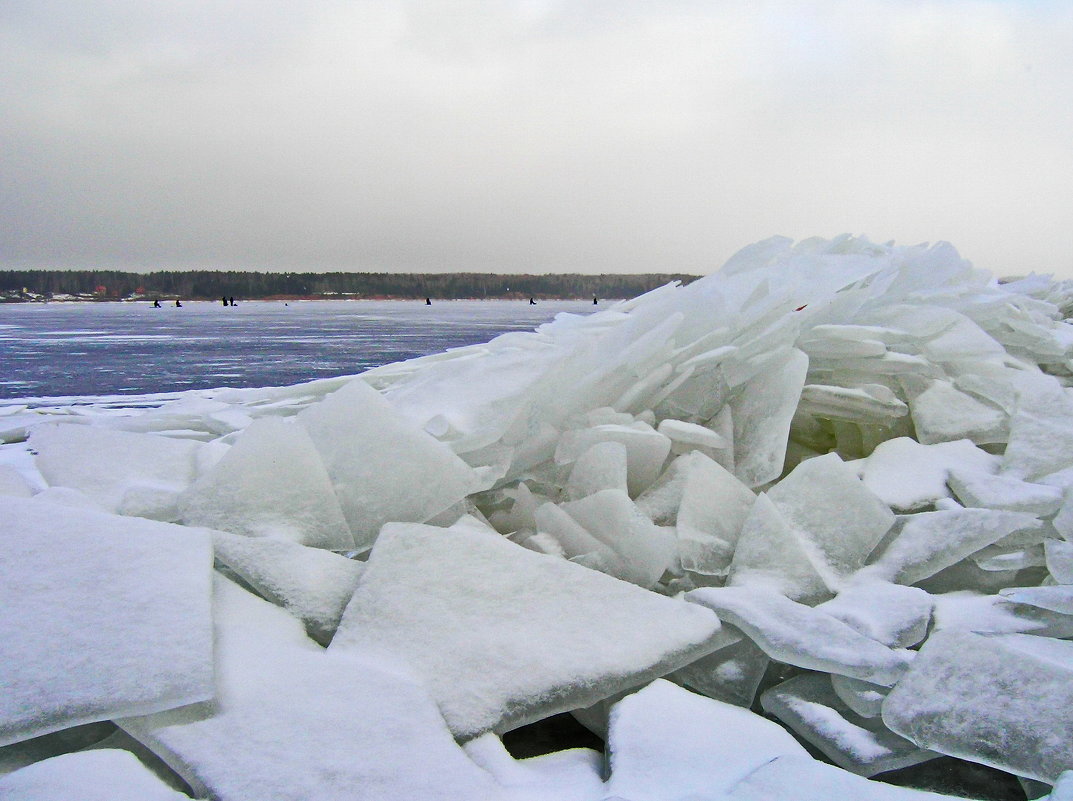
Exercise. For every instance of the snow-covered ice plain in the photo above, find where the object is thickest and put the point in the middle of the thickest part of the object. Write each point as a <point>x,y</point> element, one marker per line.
<point>803,522</point>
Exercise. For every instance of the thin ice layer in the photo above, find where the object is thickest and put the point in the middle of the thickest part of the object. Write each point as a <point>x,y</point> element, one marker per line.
<point>730,674</point>
<point>1003,701</point>
<point>809,705</point>
<point>312,584</point>
<point>802,635</point>
<point>104,775</point>
<point>504,636</point>
<point>382,467</point>
<point>363,729</point>
<point>270,483</point>
<point>102,616</point>
<point>668,743</point>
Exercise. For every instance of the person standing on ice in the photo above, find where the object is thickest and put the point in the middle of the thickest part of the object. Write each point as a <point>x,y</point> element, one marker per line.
<point>178,305</point>
<point>224,300</point>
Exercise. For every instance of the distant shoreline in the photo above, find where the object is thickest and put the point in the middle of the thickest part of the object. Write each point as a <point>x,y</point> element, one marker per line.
<point>297,299</point>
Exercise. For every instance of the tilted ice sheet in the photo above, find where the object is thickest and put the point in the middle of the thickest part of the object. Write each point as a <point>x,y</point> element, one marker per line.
<point>271,483</point>
<point>314,585</point>
<point>363,730</point>
<point>1002,700</point>
<point>504,636</point>
<point>105,775</point>
<point>382,467</point>
<point>102,616</point>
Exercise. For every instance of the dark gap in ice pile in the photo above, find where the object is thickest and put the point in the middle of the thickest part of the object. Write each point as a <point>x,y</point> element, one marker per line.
<point>800,530</point>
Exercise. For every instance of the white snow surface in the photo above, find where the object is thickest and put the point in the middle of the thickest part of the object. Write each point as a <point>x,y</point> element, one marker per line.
<point>845,449</point>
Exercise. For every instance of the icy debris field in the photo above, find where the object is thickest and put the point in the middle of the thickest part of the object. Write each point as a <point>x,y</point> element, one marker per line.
<point>800,526</point>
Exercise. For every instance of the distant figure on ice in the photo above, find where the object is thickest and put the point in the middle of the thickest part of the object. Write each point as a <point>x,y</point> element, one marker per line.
<point>156,304</point>
<point>428,301</point>
<point>224,301</point>
<point>532,302</point>
<point>178,305</point>
<point>232,301</point>
<point>593,300</point>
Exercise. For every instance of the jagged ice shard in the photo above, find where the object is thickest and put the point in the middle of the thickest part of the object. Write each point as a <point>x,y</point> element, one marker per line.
<point>833,481</point>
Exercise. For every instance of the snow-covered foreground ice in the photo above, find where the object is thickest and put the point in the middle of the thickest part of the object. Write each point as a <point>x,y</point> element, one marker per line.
<point>831,483</point>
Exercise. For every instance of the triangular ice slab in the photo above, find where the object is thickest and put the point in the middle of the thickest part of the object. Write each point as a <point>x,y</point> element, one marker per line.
<point>504,636</point>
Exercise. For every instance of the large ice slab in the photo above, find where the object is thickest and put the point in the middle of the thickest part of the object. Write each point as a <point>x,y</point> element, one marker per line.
<point>893,614</point>
<point>314,585</point>
<point>102,616</point>
<point>909,476</point>
<point>271,483</point>
<point>504,636</point>
<point>667,743</point>
<point>104,775</point>
<point>802,635</point>
<point>1000,700</point>
<point>362,729</point>
<point>382,467</point>
<point>110,465</point>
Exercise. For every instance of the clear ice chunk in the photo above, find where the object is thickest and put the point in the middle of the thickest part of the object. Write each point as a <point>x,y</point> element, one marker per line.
<point>602,466</point>
<point>731,674</point>
<point>713,510</point>
<point>646,450</point>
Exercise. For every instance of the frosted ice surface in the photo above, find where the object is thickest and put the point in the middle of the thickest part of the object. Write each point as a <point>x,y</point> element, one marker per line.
<point>102,616</point>
<point>382,467</point>
<point>661,500</point>
<point>686,434</point>
<point>983,489</point>
<point>71,498</point>
<point>646,550</point>
<point>668,743</point>
<point>772,556</point>
<point>575,541</point>
<point>312,584</point>
<point>576,773</point>
<point>104,775</point>
<point>988,700</point>
<point>603,466</point>
<point>646,450</point>
<point>105,464</point>
<point>1059,554</point>
<point>993,614</point>
<point>1041,433</point>
<point>828,505</point>
<point>943,414</point>
<point>870,403</point>
<point>1056,599</point>
<point>809,706</point>
<point>802,635</point>
<point>713,510</point>
<point>863,697</point>
<point>504,636</point>
<point>930,541</point>
<point>909,476</point>
<point>271,483</point>
<point>762,410</point>
<point>363,728</point>
<point>13,484</point>
<point>730,674</point>
<point>893,614</point>
<point>806,779</point>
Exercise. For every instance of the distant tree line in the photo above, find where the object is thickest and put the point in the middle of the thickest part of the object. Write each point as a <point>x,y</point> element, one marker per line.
<point>211,284</point>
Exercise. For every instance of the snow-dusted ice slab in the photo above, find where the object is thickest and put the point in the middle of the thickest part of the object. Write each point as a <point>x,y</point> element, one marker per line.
<point>801,635</point>
<point>1002,700</point>
<point>292,722</point>
<point>104,775</point>
<point>102,616</point>
<point>271,483</point>
<point>312,584</point>
<point>668,743</point>
<point>909,476</point>
<point>504,636</point>
<point>383,468</point>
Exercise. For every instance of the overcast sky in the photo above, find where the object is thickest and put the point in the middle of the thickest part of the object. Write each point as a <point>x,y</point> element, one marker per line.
<point>529,136</point>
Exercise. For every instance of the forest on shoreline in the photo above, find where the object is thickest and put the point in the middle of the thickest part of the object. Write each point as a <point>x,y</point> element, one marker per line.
<point>37,285</point>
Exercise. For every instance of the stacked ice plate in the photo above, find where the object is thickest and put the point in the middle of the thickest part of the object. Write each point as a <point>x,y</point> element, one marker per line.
<point>828,486</point>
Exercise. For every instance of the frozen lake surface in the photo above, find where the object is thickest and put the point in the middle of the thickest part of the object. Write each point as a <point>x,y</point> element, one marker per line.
<point>62,349</point>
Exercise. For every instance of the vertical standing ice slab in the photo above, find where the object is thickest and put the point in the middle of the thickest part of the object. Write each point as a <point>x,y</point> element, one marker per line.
<point>105,775</point>
<point>1002,700</point>
<point>504,636</point>
<point>383,468</point>
<point>668,744</point>
<point>292,722</point>
<point>101,616</point>
<point>271,483</point>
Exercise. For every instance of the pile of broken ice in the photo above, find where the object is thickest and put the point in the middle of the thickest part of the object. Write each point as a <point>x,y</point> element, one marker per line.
<point>801,522</point>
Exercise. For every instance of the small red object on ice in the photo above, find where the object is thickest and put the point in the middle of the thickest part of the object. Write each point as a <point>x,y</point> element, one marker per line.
<point>799,308</point>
